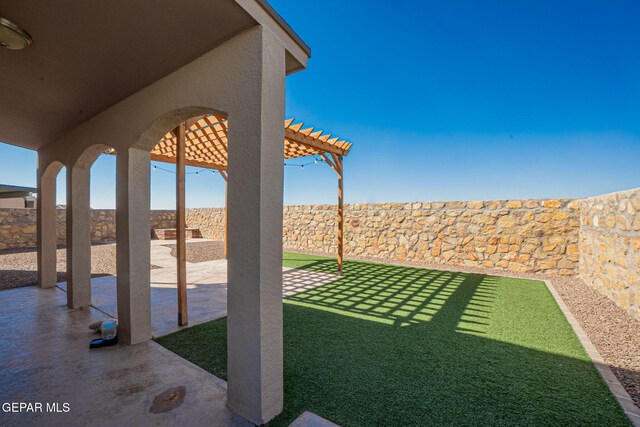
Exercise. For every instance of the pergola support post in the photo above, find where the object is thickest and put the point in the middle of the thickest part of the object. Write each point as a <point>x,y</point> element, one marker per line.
<point>225,176</point>
<point>226,219</point>
<point>336,165</point>
<point>181,244</point>
<point>339,170</point>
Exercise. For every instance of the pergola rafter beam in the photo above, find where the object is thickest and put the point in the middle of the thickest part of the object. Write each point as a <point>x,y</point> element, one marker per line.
<point>206,143</point>
<point>198,164</point>
<point>314,140</point>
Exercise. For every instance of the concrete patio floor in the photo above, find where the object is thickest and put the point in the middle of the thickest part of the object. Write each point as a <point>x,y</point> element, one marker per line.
<point>45,356</point>
<point>206,289</point>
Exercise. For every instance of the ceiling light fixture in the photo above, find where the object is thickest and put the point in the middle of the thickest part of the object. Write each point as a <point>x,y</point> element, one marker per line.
<point>13,37</point>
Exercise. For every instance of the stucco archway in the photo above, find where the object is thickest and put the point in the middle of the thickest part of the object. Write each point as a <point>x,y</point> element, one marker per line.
<point>78,230</point>
<point>244,77</point>
<point>47,234</point>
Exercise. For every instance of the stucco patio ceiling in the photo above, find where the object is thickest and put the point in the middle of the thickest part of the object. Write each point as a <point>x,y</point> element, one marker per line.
<point>87,55</point>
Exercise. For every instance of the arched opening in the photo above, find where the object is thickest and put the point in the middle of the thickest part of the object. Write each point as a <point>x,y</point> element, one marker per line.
<point>103,229</point>
<point>51,226</point>
<point>194,148</point>
<point>167,272</point>
<point>147,298</point>
<point>191,155</point>
<point>91,250</point>
<point>253,299</point>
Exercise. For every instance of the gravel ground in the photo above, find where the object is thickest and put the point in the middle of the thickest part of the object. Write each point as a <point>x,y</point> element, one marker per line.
<point>201,251</point>
<point>612,331</point>
<point>18,267</point>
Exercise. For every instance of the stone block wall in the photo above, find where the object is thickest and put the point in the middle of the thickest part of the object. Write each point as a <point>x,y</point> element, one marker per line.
<point>18,227</point>
<point>610,247</point>
<point>598,238</point>
<point>210,221</point>
<point>538,236</point>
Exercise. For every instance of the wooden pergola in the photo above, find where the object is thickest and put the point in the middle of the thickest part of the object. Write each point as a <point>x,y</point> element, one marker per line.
<point>203,142</point>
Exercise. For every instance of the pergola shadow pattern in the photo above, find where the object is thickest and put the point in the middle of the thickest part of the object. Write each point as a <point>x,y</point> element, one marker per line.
<point>417,295</point>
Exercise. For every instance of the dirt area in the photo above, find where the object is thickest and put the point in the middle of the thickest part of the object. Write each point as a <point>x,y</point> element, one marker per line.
<point>18,267</point>
<point>612,331</point>
<point>201,251</point>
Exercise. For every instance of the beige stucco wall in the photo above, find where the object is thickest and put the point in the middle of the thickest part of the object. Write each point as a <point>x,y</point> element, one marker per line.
<point>610,247</point>
<point>14,203</point>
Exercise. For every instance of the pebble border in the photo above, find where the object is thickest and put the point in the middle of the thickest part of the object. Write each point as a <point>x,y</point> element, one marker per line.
<point>625,401</point>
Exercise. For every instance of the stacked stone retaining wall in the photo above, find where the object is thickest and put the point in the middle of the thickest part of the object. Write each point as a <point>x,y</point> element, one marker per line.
<point>610,247</point>
<point>597,238</point>
<point>18,227</point>
<point>210,221</point>
<point>538,236</point>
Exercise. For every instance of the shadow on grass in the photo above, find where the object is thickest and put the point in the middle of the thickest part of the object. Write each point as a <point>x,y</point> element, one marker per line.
<point>401,296</point>
<point>389,345</point>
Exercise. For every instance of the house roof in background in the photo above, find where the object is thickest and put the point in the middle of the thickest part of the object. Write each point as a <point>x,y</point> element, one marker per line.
<point>11,191</point>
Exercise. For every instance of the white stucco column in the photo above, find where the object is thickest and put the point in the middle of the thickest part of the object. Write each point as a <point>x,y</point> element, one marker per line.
<point>132,238</point>
<point>46,224</point>
<point>78,237</point>
<point>256,135</point>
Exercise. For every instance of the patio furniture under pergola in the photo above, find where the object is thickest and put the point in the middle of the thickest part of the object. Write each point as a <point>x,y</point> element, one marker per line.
<point>203,142</point>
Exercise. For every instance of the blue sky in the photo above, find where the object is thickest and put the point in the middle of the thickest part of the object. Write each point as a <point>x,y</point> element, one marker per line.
<point>447,100</point>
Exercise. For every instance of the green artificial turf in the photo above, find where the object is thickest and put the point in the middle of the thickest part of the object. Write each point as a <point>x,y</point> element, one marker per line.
<point>389,345</point>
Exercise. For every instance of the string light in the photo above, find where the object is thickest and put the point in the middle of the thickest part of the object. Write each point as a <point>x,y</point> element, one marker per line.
<point>302,165</point>
<point>315,161</point>
<point>156,167</point>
